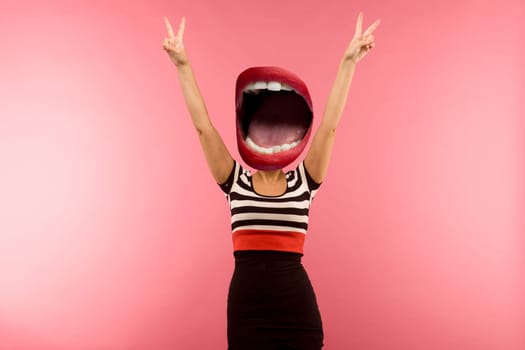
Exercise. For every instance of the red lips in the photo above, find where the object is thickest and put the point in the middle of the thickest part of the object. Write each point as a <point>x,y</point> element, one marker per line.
<point>281,159</point>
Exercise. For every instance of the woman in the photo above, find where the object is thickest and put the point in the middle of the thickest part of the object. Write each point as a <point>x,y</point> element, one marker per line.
<point>271,303</point>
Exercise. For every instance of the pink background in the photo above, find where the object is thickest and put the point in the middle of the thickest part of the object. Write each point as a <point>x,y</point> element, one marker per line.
<point>113,235</point>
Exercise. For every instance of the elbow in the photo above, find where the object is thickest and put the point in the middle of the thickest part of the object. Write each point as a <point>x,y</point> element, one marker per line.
<point>328,126</point>
<point>329,130</point>
<point>203,128</point>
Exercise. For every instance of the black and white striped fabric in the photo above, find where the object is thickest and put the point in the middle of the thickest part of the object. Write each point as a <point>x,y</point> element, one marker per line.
<point>285,212</point>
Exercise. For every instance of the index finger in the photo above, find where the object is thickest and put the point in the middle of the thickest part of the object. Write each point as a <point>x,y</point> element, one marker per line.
<point>359,24</point>
<point>170,30</point>
<point>180,32</point>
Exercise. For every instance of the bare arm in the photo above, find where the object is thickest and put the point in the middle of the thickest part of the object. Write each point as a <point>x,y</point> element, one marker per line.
<point>318,156</point>
<point>220,161</point>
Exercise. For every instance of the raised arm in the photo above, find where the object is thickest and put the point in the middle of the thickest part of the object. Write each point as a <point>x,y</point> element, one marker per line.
<point>220,162</point>
<point>318,156</point>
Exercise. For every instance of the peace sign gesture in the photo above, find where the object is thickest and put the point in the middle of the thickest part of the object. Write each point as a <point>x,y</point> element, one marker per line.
<point>174,45</point>
<point>361,43</point>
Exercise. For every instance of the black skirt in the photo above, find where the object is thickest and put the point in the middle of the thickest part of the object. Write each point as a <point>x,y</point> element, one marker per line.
<point>271,303</point>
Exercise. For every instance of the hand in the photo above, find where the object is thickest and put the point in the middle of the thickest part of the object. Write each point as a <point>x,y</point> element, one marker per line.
<point>361,44</point>
<point>174,45</point>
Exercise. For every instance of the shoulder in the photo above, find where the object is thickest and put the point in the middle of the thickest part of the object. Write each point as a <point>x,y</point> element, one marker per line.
<point>303,173</point>
<point>237,172</point>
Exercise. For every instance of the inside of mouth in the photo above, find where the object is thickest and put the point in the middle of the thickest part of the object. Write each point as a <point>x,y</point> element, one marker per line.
<point>273,118</point>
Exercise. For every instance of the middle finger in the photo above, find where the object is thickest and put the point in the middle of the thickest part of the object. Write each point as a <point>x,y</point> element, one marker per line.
<point>372,28</point>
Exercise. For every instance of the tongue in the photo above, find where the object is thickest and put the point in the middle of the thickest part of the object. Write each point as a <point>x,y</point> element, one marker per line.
<point>267,134</point>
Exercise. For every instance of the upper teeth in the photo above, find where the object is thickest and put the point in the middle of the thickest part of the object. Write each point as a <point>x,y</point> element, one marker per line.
<point>254,87</point>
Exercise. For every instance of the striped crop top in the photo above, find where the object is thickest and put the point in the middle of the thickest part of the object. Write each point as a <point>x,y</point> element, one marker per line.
<point>261,222</point>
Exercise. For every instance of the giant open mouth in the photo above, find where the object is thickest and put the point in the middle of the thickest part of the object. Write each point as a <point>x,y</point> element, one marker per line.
<point>274,116</point>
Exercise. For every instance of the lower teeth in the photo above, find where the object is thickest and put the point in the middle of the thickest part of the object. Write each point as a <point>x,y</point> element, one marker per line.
<point>271,150</point>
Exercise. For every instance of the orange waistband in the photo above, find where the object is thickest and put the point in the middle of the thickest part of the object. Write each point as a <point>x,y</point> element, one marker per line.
<point>268,240</point>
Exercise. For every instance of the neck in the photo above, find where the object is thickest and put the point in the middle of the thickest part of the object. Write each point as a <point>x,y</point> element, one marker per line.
<point>270,175</point>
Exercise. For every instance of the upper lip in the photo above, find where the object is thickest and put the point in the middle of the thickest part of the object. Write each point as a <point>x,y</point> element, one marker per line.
<point>267,74</point>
